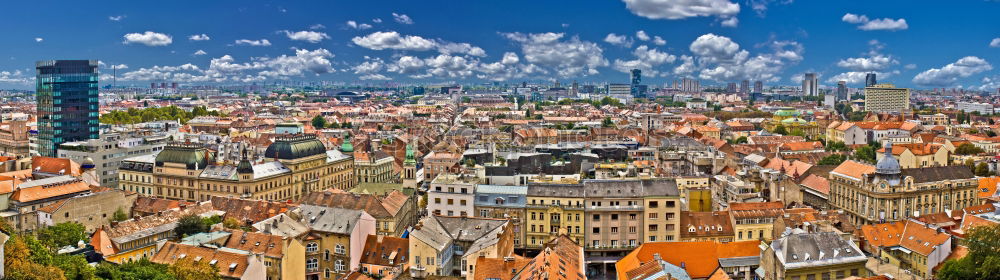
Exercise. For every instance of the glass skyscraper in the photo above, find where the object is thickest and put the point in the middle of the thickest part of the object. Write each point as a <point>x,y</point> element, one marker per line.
<point>68,108</point>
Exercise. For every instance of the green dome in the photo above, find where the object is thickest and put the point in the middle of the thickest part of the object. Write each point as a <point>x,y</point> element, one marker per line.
<point>793,120</point>
<point>347,147</point>
<point>786,113</point>
<point>295,147</point>
<point>192,156</point>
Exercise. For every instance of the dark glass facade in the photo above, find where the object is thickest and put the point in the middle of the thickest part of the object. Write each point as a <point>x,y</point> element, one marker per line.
<point>68,107</point>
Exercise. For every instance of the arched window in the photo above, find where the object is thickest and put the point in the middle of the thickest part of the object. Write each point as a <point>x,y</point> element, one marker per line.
<point>312,264</point>
<point>339,266</point>
<point>312,247</point>
<point>326,255</point>
<point>340,249</point>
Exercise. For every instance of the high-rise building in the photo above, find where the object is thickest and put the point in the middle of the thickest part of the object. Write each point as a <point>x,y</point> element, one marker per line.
<point>745,86</point>
<point>731,87</point>
<point>636,77</point>
<point>67,97</point>
<point>810,85</point>
<point>758,87</point>
<point>870,80</point>
<point>886,98</point>
<point>842,91</point>
<point>635,87</point>
<point>690,85</point>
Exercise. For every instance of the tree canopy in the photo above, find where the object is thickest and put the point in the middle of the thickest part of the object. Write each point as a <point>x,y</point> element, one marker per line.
<point>190,224</point>
<point>983,260</point>
<point>968,149</point>
<point>63,234</point>
<point>834,159</point>
<point>133,115</point>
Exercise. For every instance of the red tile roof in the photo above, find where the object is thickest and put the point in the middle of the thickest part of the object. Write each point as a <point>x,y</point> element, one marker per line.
<point>699,258</point>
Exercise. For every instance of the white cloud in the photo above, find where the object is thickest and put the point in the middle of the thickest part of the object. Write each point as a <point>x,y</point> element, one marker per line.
<point>304,62</point>
<point>720,59</point>
<point>39,39</point>
<point>407,65</point>
<point>16,77</point>
<point>858,77</point>
<point>568,58</point>
<point>255,43</point>
<point>392,40</point>
<point>864,23</point>
<point>358,26</point>
<point>910,66</point>
<point>226,68</point>
<point>995,43</point>
<point>990,83</point>
<point>308,36</point>
<point>877,62</point>
<point>377,20</point>
<point>402,18</point>
<point>199,37</point>
<point>680,9</point>
<point>659,41</point>
<point>731,22</point>
<point>317,26</point>
<point>200,52</point>
<point>760,6</point>
<point>641,35</point>
<point>149,38</point>
<point>371,65</point>
<point>646,59</point>
<point>510,58</point>
<point>618,40</point>
<point>949,74</point>
<point>460,48</point>
<point>378,77</point>
<point>116,18</point>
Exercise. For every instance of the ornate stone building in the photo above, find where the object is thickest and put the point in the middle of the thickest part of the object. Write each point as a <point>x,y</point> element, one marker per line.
<point>292,167</point>
<point>886,192</point>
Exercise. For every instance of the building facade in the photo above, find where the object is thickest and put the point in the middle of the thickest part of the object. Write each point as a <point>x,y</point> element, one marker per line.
<point>67,100</point>
<point>107,153</point>
<point>886,98</point>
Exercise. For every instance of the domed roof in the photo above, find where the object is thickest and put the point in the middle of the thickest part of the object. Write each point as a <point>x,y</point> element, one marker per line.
<point>786,113</point>
<point>347,146</point>
<point>87,163</point>
<point>795,120</point>
<point>193,157</point>
<point>888,165</point>
<point>295,147</point>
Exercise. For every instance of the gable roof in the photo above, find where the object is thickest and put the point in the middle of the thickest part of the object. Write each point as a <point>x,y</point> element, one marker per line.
<point>385,250</point>
<point>244,210</point>
<point>854,169</point>
<point>230,264</point>
<point>699,258</point>
<point>257,243</point>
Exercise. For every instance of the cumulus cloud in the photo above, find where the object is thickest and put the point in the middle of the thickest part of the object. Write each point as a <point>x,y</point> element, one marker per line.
<point>719,58</point>
<point>858,77</point>
<point>226,68</point>
<point>199,37</point>
<point>116,18</point>
<point>646,59</point>
<point>641,35</point>
<point>510,58</point>
<point>39,39</point>
<point>995,43</point>
<point>877,62</point>
<point>16,77</point>
<point>460,48</point>
<point>393,40</point>
<point>618,40</point>
<point>949,74</point>
<point>402,18</point>
<point>359,26</point>
<point>731,22</point>
<point>200,52</point>
<point>305,35</point>
<point>760,6</point>
<point>680,9</point>
<point>255,43</point>
<point>148,38</point>
<point>864,23</point>
<point>568,58</point>
<point>659,41</point>
<point>375,77</point>
<point>371,65</point>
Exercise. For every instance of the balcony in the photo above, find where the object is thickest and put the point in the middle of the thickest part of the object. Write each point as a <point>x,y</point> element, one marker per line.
<point>615,208</point>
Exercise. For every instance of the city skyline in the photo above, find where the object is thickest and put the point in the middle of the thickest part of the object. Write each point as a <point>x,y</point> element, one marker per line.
<point>441,42</point>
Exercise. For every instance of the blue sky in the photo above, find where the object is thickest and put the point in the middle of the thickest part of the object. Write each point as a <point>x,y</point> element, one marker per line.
<point>921,44</point>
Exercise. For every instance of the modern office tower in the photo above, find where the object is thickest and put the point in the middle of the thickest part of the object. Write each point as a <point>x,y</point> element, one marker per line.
<point>731,87</point>
<point>886,98</point>
<point>842,91</point>
<point>745,86</point>
<point>636,77</point>
<point>67,97</point>
<point>690,85</point>
<point>870,80</point>
<point>635,87</point>
<point>810,85</point>
<point>969,107</point>
<point>758,87</point>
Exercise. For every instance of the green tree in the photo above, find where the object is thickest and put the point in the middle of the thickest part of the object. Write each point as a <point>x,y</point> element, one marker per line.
<point>136,270</point>
<point>318,121</point>
<point>741,140</point>
<point>865,153</point>
<point>834,159</point>
<point>607,122</point>
<point>836,146</point>
<point>188,225</point>
<point>74,267</point>
<point>210,221</point>
<point>188,269</point>
<point>232,223</point>
<point>780,129</point>
<point>982,169</point>
<point>119,215</point>
<point>983,260</point>
<point>63,234</point>
<point>968,149</point>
